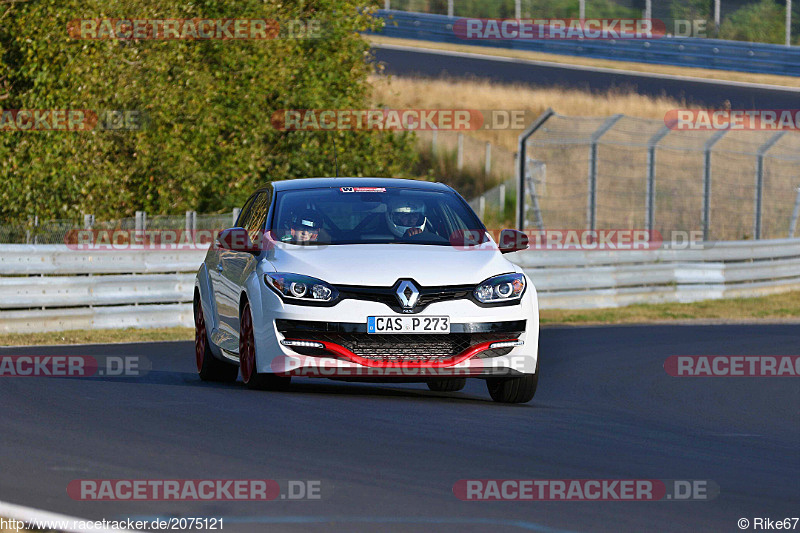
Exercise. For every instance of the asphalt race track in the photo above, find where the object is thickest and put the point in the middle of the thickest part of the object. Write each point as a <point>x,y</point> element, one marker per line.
<point>387,456</point>
<point>406,61</point>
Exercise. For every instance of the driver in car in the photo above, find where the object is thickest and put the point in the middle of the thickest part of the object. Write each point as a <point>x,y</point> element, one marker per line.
<point>406,218</point>
<point>304,227</point>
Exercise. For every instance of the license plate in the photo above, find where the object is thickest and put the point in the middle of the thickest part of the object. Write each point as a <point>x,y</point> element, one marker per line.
<point>408,324</point>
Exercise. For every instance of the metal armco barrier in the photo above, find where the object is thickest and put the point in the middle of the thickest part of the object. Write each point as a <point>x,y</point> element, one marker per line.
<point>679,51</point>
<point>53,288</point>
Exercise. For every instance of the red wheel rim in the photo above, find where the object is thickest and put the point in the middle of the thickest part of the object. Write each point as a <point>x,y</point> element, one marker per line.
<point>199,336</point>
<point>247,349</point>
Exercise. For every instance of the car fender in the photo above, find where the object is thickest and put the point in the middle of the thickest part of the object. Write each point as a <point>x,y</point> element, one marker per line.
<point>202,283</point>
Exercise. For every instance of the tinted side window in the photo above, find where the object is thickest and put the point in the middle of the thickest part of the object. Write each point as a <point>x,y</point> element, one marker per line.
<point>244,214</point>
<point>257,215</point>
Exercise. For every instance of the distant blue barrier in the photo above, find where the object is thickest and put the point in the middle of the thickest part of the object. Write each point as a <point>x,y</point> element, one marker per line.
<point>683,52</point>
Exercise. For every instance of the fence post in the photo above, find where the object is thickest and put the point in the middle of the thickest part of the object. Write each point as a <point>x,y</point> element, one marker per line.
<point>482,206</point>
<point>650,203</point>
<point>236,211</point>
<point>191,222</point>
<point>502,192</point>
<point>141,221</point>
<point>387,4</point>
<point>518,9</point>
<point>591,209</point>
<point>88,221</point>
<point>434,138</point>
<point>460,154</point>
<point>521,160</point>
<point>709,144</point>
<point>450,10</point>
<point>795,214</point>
<point>762,150</point>
<point>487,167</point>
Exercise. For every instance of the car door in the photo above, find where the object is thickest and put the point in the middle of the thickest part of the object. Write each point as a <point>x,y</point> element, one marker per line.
<point>215,263</point>
<point>236,265</point>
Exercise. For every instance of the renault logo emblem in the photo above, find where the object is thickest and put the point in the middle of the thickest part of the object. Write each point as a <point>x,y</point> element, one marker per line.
<point>407,294</point>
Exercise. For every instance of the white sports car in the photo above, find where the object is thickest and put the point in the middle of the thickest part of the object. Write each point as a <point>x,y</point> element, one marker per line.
<point>366,279</point>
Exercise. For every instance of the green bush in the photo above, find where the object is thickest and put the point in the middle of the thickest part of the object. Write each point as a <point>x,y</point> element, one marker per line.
<point>760,22</point>
<point>208,141</point>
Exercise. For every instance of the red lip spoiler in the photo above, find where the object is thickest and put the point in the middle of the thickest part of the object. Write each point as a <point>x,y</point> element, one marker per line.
<point>450,361</point>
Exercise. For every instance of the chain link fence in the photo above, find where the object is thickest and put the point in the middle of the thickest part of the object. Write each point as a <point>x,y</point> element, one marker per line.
<point>625,172</point>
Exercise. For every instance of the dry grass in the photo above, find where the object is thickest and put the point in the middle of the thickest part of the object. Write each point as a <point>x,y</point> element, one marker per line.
<point>776,307</point>
<point>97,336</point>
<point>726,75</point>
<point>425,93</point>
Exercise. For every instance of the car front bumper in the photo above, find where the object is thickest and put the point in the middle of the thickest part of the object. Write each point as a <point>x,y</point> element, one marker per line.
<point>350,353</point>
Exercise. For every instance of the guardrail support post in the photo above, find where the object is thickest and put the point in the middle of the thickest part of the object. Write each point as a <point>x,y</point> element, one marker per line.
<point>759,196</point>
<point>191,222</point>
<point>591,209</point>
<point>487,167</point>
<point>795,214</point>
<point>650,207</point>
<point>460,153</point>
<point>709,144</point>
<point>521,161</point>
<point>140,221</point>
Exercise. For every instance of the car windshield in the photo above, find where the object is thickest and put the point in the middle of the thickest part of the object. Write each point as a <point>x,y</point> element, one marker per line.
<point>360,215</point>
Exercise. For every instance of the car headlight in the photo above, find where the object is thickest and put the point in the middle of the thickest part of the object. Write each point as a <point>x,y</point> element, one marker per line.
<point>301,289</point>
<point>503,288</point>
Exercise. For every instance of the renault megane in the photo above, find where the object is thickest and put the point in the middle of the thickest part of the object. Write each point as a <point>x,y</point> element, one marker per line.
<point>366,279</point>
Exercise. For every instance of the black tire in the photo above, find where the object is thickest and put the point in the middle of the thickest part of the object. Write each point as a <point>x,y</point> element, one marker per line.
<point>209,368</point>
<point>447,384</point>
<point>513,390</point>
<point>247,361</point>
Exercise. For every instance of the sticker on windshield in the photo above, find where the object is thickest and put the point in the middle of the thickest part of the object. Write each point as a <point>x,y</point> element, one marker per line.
<point>362,189</point>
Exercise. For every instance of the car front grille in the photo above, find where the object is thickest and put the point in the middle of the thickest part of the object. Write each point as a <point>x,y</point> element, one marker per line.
<point>387,295</point>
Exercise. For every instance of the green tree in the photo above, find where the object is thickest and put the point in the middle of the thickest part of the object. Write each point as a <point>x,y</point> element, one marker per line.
<point>208,141</point>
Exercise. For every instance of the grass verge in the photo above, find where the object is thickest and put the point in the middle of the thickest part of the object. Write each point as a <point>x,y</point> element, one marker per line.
<point>96,336</point>
<point>712,74</point>
<point>777,307</point>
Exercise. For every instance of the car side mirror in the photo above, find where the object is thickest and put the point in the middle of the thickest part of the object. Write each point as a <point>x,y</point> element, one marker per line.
<point>238,240</point>
<point>512,240</point>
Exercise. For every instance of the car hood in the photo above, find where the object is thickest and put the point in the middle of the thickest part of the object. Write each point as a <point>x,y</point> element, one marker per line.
<point>384,264</point>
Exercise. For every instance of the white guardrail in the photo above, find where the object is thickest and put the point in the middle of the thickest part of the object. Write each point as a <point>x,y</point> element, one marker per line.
<point>54,288</point>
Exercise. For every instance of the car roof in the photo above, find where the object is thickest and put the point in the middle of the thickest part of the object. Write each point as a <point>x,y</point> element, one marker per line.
<point>317,183</point>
